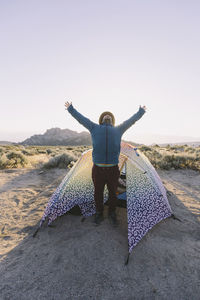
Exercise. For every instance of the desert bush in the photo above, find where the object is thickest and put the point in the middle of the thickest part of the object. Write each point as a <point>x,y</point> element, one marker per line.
<point>8,148</point>
<point>145,148</point>
<point>49,151</point>
<point>178,162</point>
<point>177,147</point>
<point>13,159</point>
<point>27,152</point>
<point>154,156</point>
<point>77,152</point>
<point>1,151</point>
<point>41,151</point>
<point>60,161</point>
<point>189,149</point>
<point>3,160</point>
<point>173,158</point>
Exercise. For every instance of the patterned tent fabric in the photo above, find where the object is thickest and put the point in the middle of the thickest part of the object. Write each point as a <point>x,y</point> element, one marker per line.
<point>147,203</point>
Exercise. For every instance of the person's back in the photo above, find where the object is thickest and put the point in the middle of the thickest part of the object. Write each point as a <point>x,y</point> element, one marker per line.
<point>106,140</point>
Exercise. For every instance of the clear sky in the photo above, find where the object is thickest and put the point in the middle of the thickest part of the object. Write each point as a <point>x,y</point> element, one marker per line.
<point>102,55</point>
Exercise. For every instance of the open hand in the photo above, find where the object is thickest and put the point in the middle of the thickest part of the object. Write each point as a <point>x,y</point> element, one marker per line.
<point>144,107</point>
<point>67,104</point>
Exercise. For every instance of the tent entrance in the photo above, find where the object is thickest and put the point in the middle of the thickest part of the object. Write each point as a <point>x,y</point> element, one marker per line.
<point>121,189</point>
<point>121,193</point>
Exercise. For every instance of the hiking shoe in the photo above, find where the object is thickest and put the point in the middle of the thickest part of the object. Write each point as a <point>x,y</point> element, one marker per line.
<point>113,219</point>
<point>98,218</point>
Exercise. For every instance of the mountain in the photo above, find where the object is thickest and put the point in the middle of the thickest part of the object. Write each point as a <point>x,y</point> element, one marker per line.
<point>192,144</point>
<point>4,143</point>
<point>149,139</point>
<point>57,136</point>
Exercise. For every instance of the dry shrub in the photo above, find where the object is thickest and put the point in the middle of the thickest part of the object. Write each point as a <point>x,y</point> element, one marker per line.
<point>144,148</point>
<point>13,159</point>
<point>70,148</point>
<point>49,151</point>
<point>41,151</point>
<point>60,161</point>
<point>30,152</point>
<point>78,150</point>
<point>175,157</point>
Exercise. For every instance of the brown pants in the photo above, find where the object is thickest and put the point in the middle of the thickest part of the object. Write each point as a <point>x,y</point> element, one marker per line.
<point>100,177</point>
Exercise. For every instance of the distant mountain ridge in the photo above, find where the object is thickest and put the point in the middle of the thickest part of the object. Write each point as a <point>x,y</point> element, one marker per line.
<point>3,143</point>
<point>57,136</point>
<point>64,137</point>
<point>192,144</point>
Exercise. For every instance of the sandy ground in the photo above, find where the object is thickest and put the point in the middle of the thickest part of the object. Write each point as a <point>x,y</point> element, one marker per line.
<point>75,260</point>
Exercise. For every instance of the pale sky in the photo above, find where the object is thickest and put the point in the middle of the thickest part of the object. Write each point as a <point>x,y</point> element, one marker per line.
<point>102,55</point>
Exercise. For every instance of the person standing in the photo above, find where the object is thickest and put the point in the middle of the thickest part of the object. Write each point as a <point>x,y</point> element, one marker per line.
<point>106,141</point>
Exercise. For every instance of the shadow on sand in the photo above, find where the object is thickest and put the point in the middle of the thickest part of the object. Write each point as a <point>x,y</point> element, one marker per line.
<point>76,260</point>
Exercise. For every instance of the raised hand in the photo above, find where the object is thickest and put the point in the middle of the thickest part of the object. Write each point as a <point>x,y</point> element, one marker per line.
<point>67,104</point>
<point>144,107</point>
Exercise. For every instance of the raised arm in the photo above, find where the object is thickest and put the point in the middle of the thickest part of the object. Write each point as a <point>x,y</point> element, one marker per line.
<point>128,123</point>
<point>79,117</point>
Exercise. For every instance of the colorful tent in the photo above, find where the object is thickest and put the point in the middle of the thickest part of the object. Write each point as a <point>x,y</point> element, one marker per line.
<point>147,202</point>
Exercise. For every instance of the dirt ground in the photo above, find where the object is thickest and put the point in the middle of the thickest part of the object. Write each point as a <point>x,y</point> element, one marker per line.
<point>76,260</point>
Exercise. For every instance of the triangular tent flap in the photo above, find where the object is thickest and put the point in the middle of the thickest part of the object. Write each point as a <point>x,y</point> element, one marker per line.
<point>147,202</point>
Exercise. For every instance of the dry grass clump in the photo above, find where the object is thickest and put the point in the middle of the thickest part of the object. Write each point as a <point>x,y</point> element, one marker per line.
<point>169,157</point>
<point>60,161</point>
<point>145,148</point>
<point>13,159</point>
<point>41,151</point>
<point>1,151</point>
<point>175,157</point>
<point>191,150</point>
<point>49,151</point>
<point>179,162</point>
<point>29,152</point>
<point>17,156</point>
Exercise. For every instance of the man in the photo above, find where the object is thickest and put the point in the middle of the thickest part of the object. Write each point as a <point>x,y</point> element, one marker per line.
<point>106,140</point>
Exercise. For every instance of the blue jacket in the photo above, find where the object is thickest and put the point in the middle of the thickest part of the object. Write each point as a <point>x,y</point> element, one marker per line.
<point>106,139</point>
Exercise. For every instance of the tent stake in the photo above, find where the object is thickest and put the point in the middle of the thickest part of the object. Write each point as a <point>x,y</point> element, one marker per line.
<point>36,231</point>
<point>175,218</point>
<point>127,259</point>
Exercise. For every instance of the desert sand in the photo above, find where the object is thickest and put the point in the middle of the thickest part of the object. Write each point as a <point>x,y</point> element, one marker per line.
<point>77,260</point>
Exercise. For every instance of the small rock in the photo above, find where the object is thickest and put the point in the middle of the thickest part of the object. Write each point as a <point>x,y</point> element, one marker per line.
<point>41,172</point>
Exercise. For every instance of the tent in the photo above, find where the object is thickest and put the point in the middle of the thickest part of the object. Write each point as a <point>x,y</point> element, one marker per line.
<point>145,195</point>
